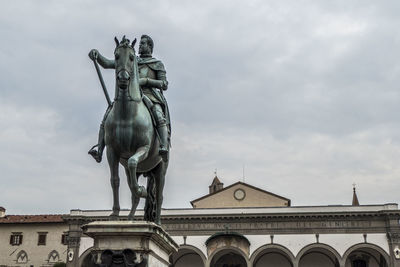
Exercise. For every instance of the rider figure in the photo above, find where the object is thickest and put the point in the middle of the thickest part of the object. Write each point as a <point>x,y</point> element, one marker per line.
<point>152,79</point>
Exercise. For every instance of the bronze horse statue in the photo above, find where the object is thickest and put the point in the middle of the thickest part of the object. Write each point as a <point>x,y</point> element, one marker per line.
<point>131,139</point>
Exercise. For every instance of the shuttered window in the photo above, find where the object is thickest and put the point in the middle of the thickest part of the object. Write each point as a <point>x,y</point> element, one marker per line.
<point>64,239</point>
<point>16,239</point>
<point>42,239</point>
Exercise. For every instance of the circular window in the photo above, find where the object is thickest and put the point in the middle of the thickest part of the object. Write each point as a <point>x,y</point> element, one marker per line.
<point>239,194</point>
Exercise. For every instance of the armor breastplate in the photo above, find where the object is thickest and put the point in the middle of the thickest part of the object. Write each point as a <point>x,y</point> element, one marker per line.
<point>146,72</point>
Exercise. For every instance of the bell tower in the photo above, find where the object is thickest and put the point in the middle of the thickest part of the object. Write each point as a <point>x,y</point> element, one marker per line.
<point>216,185</point>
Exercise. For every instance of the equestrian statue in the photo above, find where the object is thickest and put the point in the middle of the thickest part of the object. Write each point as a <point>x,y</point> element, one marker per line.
<point>136,126</point>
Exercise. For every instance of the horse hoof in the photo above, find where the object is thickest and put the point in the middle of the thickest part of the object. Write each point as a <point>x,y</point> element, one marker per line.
<point>114,218</point>
<point>114,215</point>
<point>131,217</point>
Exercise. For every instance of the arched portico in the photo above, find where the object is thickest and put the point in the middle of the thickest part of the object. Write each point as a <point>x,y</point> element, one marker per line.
<point>366,254</point>
<point>85,260</point>
<point>229,256</point>
<point>272,255</point>
<point>188,256</point>
<point>318,255</point>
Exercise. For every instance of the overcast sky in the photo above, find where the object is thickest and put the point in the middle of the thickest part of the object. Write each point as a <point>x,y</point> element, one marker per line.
<point>303,94</point>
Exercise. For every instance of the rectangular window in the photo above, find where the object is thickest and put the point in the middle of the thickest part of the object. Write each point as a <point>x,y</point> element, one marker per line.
<point>64,239</point>
<point>42,239</point>
<point>16,239</point>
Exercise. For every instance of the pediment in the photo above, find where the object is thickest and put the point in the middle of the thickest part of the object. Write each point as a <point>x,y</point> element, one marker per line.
<point>240,195</point>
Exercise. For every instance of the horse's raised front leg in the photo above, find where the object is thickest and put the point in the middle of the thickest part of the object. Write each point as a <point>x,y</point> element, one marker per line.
<point>159,174</point>
<point>113,161</point>
<point>141,154</point>
<point>135,199</point>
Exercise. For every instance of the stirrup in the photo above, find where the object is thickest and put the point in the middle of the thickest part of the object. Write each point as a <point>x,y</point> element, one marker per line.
<point>164,153</point>
<point>163,150</point>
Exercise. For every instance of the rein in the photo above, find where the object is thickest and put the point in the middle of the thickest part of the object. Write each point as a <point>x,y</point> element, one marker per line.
<point>129,97</point>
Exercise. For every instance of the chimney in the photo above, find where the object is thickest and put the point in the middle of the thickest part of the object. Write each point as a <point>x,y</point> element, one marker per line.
<point>2,212</point>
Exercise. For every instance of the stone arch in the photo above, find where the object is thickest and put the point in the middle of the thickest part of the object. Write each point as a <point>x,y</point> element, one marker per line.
<point>320,248</point>
<point>22,257</point>
<point>85,257</point>
<point>271,248</point>
<point>367,246</point>
<point>188,250</point>
<point>53,256</point>
<point>220,251</point>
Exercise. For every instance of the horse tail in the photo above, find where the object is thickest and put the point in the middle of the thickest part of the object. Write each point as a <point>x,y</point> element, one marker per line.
<point>150,208</point>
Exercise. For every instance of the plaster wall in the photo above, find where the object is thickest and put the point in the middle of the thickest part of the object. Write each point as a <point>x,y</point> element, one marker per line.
<point>195,241</point>
<point>37,255</point>
<point>293,242</point>
<point>341,242</point>
<point>86,243</point>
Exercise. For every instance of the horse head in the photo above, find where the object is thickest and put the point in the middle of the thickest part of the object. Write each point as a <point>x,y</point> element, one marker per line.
<point>126,70</point>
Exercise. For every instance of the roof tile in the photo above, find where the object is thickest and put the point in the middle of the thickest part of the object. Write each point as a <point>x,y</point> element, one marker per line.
<point>45,218</point>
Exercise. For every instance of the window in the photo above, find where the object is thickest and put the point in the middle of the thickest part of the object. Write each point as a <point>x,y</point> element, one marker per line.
<point>64,239</point>
<point>42,239</point>
<point>16,239</point>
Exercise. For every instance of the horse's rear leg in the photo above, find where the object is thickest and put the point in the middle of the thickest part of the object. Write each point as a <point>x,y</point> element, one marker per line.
<point>113,161</point>
<point>135,199</point>
<point>141,153</point>
<point>159,174</point>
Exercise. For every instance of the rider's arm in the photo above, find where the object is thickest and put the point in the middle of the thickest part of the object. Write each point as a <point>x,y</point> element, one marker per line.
<point>105,62</point>
<point>160,83</point>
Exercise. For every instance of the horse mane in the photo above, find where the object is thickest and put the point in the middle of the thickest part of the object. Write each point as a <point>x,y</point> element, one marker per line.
<point>124,42</point>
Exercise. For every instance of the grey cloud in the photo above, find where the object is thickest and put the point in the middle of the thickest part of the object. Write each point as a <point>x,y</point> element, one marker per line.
<point>303,93</point>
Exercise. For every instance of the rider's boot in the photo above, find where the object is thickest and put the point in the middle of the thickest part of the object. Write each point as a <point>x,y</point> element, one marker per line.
<point>98,154</point>
<point>162,130</point>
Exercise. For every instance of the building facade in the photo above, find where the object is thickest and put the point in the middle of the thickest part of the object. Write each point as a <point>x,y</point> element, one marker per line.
<point>32,240</point>
<point>265,230</point>
<point>235,226</point>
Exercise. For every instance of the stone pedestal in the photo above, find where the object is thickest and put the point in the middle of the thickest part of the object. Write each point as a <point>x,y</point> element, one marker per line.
<point>147,240</point>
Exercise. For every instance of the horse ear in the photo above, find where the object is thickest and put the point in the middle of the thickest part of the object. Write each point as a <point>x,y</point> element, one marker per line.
<point>123,38</point>
<point>133,43</point>
<point>116,40</point>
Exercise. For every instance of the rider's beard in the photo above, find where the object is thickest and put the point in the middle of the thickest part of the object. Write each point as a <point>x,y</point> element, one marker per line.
<point>144,53</point>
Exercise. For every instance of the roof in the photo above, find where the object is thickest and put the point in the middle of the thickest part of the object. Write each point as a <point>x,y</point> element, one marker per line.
<point>242,183</point>
<point>355,201</point>
<point>215,181</point>
<point>46,218</point>
<point>256,211</point>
